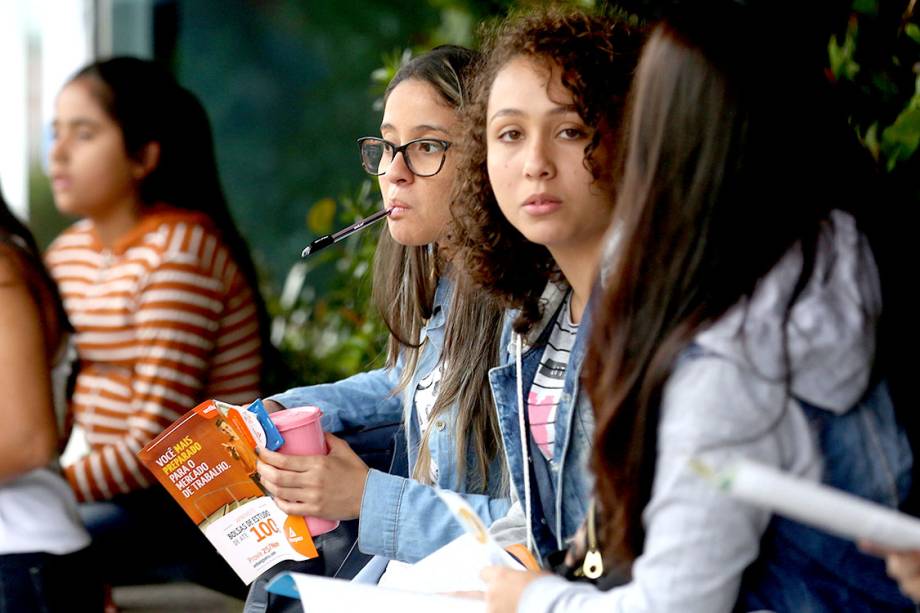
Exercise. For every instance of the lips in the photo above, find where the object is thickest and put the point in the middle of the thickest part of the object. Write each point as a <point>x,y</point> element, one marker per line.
<point>541,204</point>
<point>60,182</point>
<point>398,208</point>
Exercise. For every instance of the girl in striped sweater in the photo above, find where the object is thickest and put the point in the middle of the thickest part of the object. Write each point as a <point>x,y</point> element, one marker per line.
<point>155,278</point>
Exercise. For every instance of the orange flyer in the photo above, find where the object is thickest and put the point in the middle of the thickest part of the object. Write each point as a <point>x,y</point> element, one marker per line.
<point>206,461</point>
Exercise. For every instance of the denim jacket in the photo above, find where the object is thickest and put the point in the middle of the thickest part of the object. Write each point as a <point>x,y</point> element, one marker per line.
<point>403,519</point>
<point>729,396</point>
<point>572,484</point>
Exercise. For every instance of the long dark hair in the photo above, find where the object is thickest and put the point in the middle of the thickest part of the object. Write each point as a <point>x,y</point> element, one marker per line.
<point>714,193</point>
<point>15,238</point>
<point>149,105</point>
<point>597,56</point>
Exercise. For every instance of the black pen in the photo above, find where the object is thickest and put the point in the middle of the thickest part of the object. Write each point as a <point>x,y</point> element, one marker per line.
<point>330,239</point>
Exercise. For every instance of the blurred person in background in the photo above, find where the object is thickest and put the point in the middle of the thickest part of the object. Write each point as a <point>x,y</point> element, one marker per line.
<point>162,293</point>
<point>44,564</point>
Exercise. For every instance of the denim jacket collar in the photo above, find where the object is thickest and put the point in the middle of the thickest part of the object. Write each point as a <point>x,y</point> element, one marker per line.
<point>550,301</point>
<point>442,296</point>
<point>572,479</point>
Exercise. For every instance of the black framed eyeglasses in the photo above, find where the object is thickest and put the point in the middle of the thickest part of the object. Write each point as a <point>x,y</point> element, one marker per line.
<point>424,156</point>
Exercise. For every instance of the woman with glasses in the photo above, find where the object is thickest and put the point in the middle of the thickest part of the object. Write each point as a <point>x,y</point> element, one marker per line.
<point>443,339</point>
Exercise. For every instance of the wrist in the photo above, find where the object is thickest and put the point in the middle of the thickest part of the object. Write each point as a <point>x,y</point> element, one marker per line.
<point>272,406</point>
<point>359,502</point>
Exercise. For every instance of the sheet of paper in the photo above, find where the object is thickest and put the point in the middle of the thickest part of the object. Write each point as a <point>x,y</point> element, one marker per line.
<point>456,566</point>
<point>325,594</point>
<point>474,526</point>
<point>452,568</point>
<point>818,505</point>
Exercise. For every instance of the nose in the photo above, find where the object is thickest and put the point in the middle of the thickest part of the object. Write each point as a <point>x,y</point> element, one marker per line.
<point>58,150</point>
<point>398,172</point>
<point>539,163</point>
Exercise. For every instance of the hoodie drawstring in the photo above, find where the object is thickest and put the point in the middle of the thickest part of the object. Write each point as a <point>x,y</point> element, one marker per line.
<point>524,447</point>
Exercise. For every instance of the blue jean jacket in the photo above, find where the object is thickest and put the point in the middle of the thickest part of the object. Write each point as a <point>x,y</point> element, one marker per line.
<point>572,483</point>
<point>806,570</point>
<point>403,519</point>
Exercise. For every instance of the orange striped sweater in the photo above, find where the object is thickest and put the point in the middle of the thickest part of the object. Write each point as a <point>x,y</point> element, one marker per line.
<point>163,320</point>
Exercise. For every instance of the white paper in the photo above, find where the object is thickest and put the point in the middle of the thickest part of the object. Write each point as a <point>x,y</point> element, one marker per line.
<point>456,566</point>
<point>475,528</point>
<point>325,594</point>
<point>452,568</point>
<point>425,586</point>
<point>821,506</point>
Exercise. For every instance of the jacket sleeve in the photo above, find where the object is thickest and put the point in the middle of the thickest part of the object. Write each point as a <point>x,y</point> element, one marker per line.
<point>405,520</point>
<point>698,540</point>
<point>511,529</point>
<point>364,399</point>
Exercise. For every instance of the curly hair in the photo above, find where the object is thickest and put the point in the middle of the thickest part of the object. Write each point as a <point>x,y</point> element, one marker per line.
<point>597,56</point>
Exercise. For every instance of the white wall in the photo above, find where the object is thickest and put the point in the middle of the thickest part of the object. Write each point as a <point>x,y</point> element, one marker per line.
<point>42,42</point>
<point>65,30</point>
<point>13,104</point>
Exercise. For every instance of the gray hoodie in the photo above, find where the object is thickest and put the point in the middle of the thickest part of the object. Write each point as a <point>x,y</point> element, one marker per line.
<point>730,402</point>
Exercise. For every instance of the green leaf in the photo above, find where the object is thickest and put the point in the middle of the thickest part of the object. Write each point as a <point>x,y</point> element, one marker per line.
<point>901,139</point>
<point>870,140</point>
<point>913,31</point>
<point>457,28</point>
<point>866,7</point>
<point>321,216</point>
<point>841,55</point>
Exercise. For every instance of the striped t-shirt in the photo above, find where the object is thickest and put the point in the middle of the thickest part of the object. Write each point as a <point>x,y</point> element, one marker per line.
<point>543,399</point>
<point>163,320</point>
<point>426,395</point>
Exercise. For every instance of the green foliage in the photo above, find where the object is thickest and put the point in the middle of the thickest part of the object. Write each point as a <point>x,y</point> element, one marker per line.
<point>877,73</point>
<point>900,139</point>
<point>325,326</point>
<point>44,220</point>
<point>841,56</point>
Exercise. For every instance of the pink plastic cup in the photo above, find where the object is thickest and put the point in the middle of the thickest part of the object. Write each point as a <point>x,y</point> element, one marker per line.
<point>303,435</point>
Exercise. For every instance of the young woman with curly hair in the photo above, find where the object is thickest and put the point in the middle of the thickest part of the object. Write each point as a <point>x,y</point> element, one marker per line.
<point>531,206</point>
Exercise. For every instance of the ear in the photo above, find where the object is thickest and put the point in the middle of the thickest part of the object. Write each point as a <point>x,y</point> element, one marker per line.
<point>147,161</point>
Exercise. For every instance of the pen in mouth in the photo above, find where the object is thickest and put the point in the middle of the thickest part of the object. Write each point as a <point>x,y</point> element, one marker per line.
<point>330,239</point>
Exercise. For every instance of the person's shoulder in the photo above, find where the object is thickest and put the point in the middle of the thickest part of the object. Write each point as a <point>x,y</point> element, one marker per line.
<point>181,235</point>
<point>711,401</point>
<point>173,230</point>
<point>20,270</point>
<point>11,272</point>
<point>186,242</point>
<point>78,236</point>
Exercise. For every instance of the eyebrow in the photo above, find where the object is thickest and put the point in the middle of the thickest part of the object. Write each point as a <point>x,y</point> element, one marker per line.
<point>76,123</point>
<point>557,110</point>
<point>419,128</point>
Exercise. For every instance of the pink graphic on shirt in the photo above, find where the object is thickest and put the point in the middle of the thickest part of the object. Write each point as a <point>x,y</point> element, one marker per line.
<point>541,411</point>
